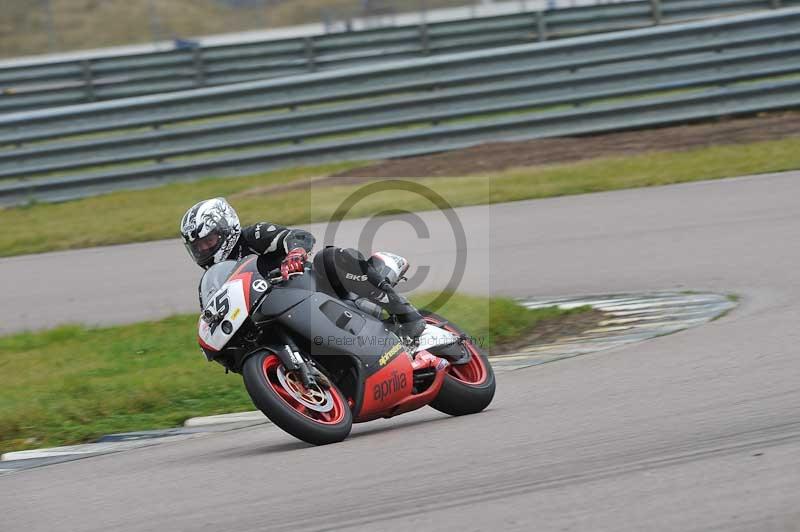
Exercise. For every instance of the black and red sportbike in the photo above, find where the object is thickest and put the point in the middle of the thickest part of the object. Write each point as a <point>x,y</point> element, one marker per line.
<point>315,362</point>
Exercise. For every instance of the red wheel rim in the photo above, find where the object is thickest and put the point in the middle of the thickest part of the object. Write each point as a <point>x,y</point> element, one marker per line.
<point>333,416</point>
<point>473,372</point>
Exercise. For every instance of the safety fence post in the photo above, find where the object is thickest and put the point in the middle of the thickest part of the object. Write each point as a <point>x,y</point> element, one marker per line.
<point>541,26</point>
<point>424,39</point>
<point>199,66</point>
<point>655,10</point>
<point>308,44</point>
<point>88,84</point>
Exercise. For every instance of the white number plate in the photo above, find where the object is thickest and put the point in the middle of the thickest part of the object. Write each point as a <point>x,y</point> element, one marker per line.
<point>229,302</point>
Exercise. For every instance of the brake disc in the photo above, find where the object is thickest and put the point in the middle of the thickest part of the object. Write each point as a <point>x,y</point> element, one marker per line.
<point>315,398</point>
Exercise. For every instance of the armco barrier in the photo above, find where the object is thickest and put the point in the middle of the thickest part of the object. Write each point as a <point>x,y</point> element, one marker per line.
<point>72,82</point>
<point>623,80</point>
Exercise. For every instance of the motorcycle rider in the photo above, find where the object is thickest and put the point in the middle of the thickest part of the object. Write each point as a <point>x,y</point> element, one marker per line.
<point>212,233</point>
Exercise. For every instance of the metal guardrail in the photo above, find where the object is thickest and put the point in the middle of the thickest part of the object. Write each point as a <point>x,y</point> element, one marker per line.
<point>73,82</point>
<point>623,80</point>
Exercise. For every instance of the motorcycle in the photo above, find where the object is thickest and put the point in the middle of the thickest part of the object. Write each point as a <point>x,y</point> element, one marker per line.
<point>315,363</point>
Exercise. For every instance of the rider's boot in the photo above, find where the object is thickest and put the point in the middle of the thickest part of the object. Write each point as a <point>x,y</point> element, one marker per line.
<point>411,323</point>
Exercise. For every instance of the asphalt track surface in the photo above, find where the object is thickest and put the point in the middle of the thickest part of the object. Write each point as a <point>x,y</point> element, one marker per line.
<point>699,430</point>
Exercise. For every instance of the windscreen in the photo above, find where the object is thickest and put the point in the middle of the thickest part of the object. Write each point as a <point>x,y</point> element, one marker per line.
<point>213,280</point>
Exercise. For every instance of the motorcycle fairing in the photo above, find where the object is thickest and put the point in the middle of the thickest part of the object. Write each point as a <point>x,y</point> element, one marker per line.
<point>330,327</point>
<point>235,298</point>
<point>230,302</point>
<point>324,326</point>
<point>386,387</point>
<point>279,302</point>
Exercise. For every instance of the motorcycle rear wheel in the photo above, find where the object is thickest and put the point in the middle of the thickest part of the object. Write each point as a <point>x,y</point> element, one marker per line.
<point>467,388</point>
<point>266,382</point>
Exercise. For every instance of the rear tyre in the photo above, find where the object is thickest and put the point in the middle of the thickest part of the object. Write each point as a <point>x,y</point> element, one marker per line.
<point>316,416</point>
<point>467,388</point>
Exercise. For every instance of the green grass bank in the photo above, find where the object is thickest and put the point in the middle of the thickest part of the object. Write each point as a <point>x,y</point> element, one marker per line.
<point>74,383</point>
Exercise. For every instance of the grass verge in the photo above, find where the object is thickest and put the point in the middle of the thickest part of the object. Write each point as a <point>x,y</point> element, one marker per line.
<point>73,384</point>
<point>26,27</point>
<point>136,216</point>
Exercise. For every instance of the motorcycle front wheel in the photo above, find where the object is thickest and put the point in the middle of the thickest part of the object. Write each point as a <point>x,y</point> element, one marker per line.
<point>318,415</point>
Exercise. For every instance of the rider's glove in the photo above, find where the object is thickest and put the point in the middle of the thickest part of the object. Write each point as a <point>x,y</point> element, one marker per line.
<point>293,262</point>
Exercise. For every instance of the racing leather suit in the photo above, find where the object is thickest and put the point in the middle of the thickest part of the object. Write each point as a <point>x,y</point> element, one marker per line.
<point>272,242</point>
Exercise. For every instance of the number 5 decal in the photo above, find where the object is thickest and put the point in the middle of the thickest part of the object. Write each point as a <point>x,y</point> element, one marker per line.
<point>229,308</point>
<point>221,306</point>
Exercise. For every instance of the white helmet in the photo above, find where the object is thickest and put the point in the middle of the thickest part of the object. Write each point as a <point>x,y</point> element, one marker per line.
<point>210,231</point>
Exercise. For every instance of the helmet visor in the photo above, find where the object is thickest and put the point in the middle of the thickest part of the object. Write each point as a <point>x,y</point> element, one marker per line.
<point>203,249</point>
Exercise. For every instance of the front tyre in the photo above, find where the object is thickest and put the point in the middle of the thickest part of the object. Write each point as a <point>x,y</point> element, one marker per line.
<point>317,416</point>
<point>467,388</point>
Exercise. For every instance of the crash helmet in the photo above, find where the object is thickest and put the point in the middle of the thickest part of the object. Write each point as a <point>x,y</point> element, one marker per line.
<point>210,230</point>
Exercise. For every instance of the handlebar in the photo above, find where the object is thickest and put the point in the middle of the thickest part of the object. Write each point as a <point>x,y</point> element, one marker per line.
<point>275,276</point>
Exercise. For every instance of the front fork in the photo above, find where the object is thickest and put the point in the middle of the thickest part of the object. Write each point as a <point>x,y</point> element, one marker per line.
<point>292,360</point>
